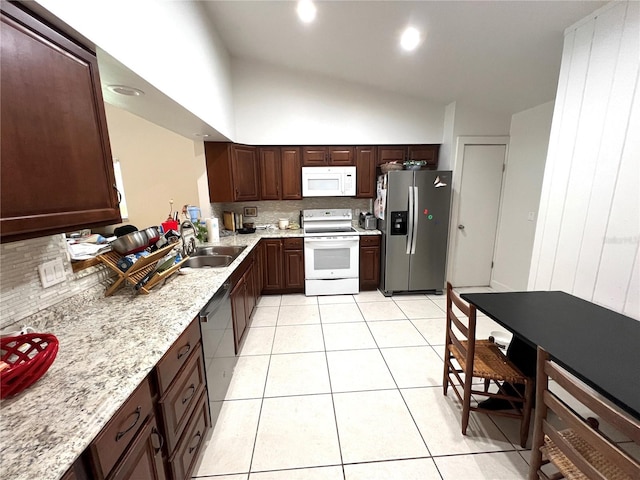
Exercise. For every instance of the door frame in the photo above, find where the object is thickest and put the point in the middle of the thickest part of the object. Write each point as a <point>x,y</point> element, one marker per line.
<point>461,143</point>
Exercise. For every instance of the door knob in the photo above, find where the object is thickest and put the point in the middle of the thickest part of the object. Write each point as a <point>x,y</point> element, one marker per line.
<point>460,227</point>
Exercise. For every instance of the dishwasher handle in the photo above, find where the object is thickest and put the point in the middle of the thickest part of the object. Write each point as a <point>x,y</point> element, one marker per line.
<point>216,301</point>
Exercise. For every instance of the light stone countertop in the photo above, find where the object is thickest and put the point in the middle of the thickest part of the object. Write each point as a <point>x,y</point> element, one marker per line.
<point>107,347</point>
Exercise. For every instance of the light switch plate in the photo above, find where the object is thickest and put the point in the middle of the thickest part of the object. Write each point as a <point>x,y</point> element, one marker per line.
<point>52,273</point>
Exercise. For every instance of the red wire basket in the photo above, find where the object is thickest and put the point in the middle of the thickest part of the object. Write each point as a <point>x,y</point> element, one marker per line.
<point>28,357</point>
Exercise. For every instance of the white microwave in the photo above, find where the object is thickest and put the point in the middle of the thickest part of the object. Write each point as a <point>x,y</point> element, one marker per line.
<point>328,181</point>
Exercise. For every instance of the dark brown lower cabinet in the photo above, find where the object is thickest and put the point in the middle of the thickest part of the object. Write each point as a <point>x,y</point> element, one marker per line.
<point>293,249</point>
<point>369,262</point>
<point>157,434</point>
<point>239,311</point>
<point>143,459</point>
<point>244,294</point>
<point>186,453</point>
<point>272,275</point>
<point>283,265</point>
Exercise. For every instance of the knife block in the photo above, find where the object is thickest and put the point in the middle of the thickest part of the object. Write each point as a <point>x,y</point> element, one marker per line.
<point>138,270</point>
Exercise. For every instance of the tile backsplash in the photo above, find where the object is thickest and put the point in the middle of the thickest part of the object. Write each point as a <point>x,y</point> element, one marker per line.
<point>22,294</point>
<point>270,211</point>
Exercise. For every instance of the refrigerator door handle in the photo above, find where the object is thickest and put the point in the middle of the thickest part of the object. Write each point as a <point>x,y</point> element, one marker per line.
<point>410,221</point>
<point>414,239</point>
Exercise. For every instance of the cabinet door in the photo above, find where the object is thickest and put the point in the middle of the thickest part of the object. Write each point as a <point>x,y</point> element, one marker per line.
<point>314,156</point>
<point>273,265</point>
<point>270,173</point>
<point>294,269</point>
<point>251,297</point>
<point>391,153</point>
<point>366,172</point>
<point>369,262</point>
<point>218,157</point>
<point>259,269</point>
<point>244,166</point>
<point>56,172</point>
<point>238,311</point>
<point>427,153</point>
<point>341,156</point>
<point>144,458</point>
<point>291,167</point>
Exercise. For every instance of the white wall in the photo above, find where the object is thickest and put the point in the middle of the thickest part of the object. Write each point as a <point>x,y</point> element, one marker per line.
<point>157,165</point>
<point>588,230</point>
<point>529,139</point>
<point>167,43</point>
<point>276,106</point>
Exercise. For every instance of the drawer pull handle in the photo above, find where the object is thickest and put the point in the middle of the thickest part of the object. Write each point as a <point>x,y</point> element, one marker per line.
<point>184,350</point>
<point>198,435</point>
<point>154,431</point>
<point>137,413</point>
<point>192,387</point>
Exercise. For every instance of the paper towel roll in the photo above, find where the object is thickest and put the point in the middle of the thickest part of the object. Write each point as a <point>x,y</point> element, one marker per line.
<point>213,232</point>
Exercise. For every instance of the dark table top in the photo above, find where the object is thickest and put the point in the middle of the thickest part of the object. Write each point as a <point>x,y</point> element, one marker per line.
<point>598,345</point>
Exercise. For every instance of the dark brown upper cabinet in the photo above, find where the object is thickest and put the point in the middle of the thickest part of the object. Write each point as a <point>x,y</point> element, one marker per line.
<point>280,173</point>
<point>366,172</point>
<point>270,173</point>
<point>232,172</point>
<point>402,153</point>
<point>56,173</point>
<point>328,156</point>
<point>291,167</point>
<point>426,153</point>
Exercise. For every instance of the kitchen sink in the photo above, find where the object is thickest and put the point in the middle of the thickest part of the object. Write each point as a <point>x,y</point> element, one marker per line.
<point>215,261</point>
<point>216,257</point>
<point>231,251</point>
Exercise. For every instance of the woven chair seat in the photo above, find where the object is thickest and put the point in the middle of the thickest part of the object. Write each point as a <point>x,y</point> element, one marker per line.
<point>590,454</point>
<point>489,362</point>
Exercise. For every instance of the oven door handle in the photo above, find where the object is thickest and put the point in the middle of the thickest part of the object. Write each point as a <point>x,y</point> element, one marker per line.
<point>319,243</point>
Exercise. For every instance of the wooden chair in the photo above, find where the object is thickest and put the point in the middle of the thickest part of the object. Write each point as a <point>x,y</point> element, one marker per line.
<point>576,448</point>
<point>481,359</point>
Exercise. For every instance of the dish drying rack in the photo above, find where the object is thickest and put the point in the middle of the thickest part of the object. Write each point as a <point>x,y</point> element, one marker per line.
<point>139,269</point>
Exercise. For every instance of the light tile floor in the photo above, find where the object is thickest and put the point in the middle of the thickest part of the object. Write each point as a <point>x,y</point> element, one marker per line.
<point>350,388</point>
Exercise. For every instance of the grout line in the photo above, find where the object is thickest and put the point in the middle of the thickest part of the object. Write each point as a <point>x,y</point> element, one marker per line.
<point>333,403</point>
<point>266,379</point>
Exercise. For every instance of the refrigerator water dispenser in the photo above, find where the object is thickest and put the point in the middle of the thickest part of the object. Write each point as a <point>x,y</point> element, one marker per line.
<point>399,223</point>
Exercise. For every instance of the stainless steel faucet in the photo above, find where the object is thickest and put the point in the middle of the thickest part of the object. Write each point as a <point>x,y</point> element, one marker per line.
<point>188,244</point>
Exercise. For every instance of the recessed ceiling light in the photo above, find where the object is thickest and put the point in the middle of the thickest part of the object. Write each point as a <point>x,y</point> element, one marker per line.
<point>125,90</point>
<point>201,135</point>
<point>410,39</point>
<point>306,11</point>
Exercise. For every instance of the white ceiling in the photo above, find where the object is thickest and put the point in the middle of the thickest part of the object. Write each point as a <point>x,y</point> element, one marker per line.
<point>503,56</point>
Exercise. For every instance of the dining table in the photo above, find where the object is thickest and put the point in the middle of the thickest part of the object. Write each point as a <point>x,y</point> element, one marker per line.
<point>598,345</point>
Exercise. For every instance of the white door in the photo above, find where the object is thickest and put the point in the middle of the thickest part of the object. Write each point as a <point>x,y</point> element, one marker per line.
<point>475,227</point>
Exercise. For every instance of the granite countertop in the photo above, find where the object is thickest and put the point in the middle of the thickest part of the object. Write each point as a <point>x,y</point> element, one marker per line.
<point>108,345</point>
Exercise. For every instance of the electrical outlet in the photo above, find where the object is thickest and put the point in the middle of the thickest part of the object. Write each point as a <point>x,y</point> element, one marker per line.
<point>531,216</point>
<point>52,273</point>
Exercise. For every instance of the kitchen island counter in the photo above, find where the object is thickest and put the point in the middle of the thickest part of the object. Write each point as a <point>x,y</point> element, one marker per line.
<point>108,345</point>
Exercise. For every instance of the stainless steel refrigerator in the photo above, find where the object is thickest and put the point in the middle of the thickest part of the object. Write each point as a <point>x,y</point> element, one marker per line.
<point>415,230</point>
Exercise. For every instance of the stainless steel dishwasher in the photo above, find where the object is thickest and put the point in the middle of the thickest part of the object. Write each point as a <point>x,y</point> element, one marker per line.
<point>219,349</point>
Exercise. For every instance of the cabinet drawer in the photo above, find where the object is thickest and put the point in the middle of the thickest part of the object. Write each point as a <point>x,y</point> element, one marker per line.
<point>179,402</point>
<point>121,429</point>
<point>293,243</point>
<point>369,240</point>
<point>184,458</point>
<point>177,356</point>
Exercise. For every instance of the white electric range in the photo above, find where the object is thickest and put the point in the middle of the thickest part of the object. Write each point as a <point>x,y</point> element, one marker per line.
<point>331,252</point>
